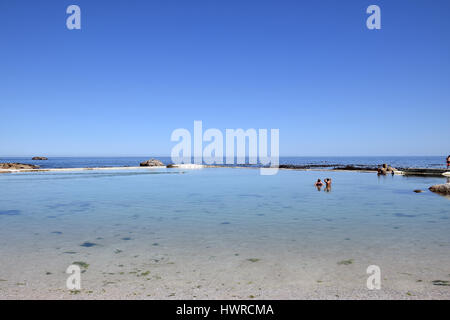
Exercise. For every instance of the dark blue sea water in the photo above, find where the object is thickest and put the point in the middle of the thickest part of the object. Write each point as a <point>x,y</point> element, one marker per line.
<point>77,162</point>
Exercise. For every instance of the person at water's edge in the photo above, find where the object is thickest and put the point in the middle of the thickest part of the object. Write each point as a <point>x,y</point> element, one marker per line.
<point>448,161</point>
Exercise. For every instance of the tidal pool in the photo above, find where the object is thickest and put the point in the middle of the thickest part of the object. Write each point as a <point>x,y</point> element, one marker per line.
<point>222,233</point>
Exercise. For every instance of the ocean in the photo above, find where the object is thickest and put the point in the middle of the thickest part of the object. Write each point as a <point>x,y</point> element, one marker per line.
<point>79,162</point>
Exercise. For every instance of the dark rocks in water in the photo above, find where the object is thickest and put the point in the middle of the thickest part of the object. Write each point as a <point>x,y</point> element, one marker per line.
<point>403,215</point>
<point>355,168</point>
<point>39,158</point>
<point>9,212</point>
<point>15,165</point>
<point>308,166</point>
<point>418,191</point>
<point>292,166</point>
<point>345,262</point>
<point>349,167</point>
<point>329,165</point>
<point>152,163</point>
<point>441,283</point>
<point>441,188</point>
<point>333,166</point>
<point>88,244</point>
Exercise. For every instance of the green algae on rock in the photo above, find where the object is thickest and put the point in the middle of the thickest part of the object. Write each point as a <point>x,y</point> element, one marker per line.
<point>345,262</point>
<point>81,264</point>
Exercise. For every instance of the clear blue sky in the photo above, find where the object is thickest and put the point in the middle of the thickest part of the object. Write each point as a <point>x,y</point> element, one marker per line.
<point>140,69</point>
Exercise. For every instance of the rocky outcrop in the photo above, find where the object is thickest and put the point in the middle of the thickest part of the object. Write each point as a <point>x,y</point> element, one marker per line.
<point>152,163</point>
<point>355,168</point>
<point>424,172</point>
<point>14,166</point>
<point>39,158</point>
<point>386,169</point>
<point>441,188</point>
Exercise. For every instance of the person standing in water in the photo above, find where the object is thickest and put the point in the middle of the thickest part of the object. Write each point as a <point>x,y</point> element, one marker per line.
<point>448,161</point>
<point>327,184</point>
<point>319,184</point>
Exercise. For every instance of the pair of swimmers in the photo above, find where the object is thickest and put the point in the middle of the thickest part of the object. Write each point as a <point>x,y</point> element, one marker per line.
<point>319,184</point>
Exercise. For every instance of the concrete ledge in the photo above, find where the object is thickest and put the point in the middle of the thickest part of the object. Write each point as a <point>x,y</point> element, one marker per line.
<point>79,169</point>
<point>186,166</point>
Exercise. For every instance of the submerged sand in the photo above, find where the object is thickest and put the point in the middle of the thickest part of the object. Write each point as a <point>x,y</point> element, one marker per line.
<point>170,269</point>
<point>146,258</point>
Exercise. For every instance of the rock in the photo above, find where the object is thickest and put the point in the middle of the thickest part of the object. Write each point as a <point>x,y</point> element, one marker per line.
<point>14,166</point>
<point>354,168</point>
<point>386,169</point>
<point>441,188</point>
<point>152,163</point>
<point>418,191</point>
<point>39,158</point>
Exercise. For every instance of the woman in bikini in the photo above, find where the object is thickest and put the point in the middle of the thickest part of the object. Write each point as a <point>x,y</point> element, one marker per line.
<point>318,184</point>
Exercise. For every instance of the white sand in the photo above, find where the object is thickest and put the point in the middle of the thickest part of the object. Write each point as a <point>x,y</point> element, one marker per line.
<point>200,271</point>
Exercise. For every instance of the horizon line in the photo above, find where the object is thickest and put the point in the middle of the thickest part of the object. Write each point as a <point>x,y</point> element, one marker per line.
<point>168,156</point>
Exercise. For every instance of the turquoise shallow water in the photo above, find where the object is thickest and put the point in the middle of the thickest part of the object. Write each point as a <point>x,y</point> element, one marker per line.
<point>221,199</point>
<point>68,215</point>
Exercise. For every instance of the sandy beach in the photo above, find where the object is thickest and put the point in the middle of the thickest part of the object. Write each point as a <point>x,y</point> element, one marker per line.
<point>205,272</point>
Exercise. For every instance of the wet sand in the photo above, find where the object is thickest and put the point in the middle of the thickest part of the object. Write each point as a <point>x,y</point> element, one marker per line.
<point>221,273</point>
